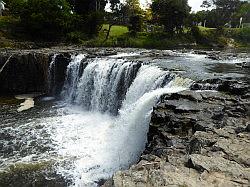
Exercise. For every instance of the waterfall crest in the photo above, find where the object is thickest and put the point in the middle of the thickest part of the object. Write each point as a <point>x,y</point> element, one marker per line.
<point>99,84</point>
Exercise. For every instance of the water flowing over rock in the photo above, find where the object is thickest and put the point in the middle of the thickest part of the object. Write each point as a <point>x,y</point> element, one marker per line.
<point>113,109</point>
<point>101,84</point>
<point>57,73</point>
<point>195,138</point>
<point>124,90</point>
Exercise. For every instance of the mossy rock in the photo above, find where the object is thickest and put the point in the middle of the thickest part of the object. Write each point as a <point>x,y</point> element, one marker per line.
<point>31,175</point>
<point>9,101</point>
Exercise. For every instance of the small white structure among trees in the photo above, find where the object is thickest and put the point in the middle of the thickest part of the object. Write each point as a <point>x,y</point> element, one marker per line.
<point>2,7</point>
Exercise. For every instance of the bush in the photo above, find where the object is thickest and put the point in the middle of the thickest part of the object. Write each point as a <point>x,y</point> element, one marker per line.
<point>196,33</point>
<point>75,37</point>
<point>93,23</point>
<point>242,35</point>
<point>136,23</point>
<point>46,19</point>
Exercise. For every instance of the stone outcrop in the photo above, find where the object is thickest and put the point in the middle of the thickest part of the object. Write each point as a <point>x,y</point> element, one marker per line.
<point>27,71</point>
<point>196,138</point>
<point>24,73</point>
<point>58,73</point>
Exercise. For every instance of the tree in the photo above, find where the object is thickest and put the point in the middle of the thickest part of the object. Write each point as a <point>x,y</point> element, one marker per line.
<point>243,12</point>
<point>224,9</point>
<point>15,6</point>
<point>86,7</point>
<point>134,7</point>
<point>201,17</point>
<point>171,14</point>
<point>90,15</point>
<point>136,23</point>
<point>45,19</point>
<point>113,17</point>
<point>114,5</point>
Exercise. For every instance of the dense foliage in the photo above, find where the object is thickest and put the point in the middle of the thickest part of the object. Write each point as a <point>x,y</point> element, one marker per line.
<point>171,13</point>
<point>45,19</point>
<point>224,13</point>
<point>81,20</point>
<point>53,20</point>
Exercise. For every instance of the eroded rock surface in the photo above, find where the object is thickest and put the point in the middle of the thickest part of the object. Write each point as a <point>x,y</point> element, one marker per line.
<point>196,138</point>
<point>27,71</point>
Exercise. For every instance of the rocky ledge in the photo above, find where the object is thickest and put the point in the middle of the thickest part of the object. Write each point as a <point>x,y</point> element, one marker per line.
<point>196,138</point>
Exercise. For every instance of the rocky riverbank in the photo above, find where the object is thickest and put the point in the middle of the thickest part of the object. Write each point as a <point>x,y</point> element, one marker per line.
<point>196,138</point>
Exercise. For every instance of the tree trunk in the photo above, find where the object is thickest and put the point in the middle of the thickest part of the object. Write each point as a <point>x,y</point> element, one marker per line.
<point>107,36</point>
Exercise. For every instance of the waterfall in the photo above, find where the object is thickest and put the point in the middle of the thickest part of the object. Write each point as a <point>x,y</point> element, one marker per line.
<point>74,72</point>
<point>99,84</point>
<point>110,102</point>
<point>52,75</point>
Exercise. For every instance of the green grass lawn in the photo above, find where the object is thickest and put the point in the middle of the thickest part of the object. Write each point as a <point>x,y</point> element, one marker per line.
<point>116,30</point>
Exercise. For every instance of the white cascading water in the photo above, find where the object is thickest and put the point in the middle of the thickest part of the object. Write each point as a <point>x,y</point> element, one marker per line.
<point>104,128</point>
<point>51,74</point>
<point>72,76</point>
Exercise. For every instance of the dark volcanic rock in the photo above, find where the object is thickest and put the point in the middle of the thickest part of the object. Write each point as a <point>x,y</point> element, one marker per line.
<point>195,139</point>
<point>223,85</point>
<point>27,72</point>
<point>248,127</point>
<point>24,73</point>
<point>58,72</point>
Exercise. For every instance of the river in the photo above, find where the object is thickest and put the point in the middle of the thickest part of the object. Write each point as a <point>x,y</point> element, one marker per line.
<point>98,123</point>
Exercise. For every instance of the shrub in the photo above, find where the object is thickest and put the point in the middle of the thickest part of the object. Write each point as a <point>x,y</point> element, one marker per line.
<point>43,19</point>
<point>136,23</point>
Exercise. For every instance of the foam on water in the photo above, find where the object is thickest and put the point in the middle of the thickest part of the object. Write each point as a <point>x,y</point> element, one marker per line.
<point>92,144</point>
<point>119,55</point>
<point>102,123</point>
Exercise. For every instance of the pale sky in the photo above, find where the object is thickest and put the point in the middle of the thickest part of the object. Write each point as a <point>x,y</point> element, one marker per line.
<point>194,4</point>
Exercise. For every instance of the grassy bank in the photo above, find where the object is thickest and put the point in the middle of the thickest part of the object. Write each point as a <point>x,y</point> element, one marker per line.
<point>197,37</point>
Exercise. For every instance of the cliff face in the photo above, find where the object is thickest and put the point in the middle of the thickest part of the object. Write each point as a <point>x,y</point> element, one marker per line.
<point>24,73</point>
<point>28,72</point>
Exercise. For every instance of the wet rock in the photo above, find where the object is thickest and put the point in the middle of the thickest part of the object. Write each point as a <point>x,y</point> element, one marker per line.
<point>202,126</point>
<point>59,73</point>
<point>218,116</point>
<point>25,72</point>
<point>190,95</point>
<point>248,127</point>
<point>223,85</point>
<point>32,174</point>
<point>234,87</point>
<point>195,146</point>
<point>246,64</point>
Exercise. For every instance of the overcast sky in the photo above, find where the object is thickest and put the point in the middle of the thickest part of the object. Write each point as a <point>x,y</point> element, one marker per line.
<point>195,4</point>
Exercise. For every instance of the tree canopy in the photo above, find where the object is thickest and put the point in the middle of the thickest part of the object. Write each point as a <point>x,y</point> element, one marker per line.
<point>224,10</point>
<point>171,13</point>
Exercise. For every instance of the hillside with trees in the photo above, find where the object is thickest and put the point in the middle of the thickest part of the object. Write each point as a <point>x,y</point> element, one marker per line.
<point>164,24</point>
